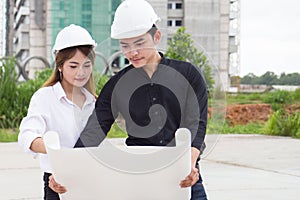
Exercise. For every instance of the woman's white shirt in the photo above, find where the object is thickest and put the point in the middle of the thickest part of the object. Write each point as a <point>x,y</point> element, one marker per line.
<point>50,110</point>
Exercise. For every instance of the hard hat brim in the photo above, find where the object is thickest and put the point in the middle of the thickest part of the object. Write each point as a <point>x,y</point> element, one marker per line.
<point>130,34</point>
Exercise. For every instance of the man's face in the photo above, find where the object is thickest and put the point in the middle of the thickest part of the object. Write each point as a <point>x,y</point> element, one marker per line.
<point>139,50</point>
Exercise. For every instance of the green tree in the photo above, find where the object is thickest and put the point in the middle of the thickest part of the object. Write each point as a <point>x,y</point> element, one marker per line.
<point>289,79</point>
<point>268,78</point>
<point>249,79</point>
<point>181,47</point>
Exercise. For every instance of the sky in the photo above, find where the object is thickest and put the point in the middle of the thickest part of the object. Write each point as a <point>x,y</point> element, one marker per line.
<point>270,36</point>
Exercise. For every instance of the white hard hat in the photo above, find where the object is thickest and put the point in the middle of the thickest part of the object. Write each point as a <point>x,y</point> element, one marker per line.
<point>133,18</point>
<point>70,36</point>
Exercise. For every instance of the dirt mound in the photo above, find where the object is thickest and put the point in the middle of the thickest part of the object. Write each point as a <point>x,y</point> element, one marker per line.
<point>243,114</point>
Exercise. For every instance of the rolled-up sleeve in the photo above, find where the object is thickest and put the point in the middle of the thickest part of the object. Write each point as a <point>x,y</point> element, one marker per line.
<point>196,109</point>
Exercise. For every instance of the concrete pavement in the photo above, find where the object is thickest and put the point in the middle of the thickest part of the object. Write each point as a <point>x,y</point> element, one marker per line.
<point>20,175</point>
<point>253,167</point>
<point>234,167</point>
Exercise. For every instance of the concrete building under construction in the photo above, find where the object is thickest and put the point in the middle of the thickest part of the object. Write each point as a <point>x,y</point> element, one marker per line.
<point>213,24</point>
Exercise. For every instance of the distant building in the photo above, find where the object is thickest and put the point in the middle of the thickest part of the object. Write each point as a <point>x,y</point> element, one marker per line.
<point>290,88</point>
<point>36,24</point>
<point>213,24</point>
<point>2,28</point>
<point>245,88</point>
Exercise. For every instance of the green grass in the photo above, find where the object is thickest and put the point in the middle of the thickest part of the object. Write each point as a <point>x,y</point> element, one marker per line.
<point>8,135</point>
<point>11,135</point>
<point>254,98</point>
<point>270,97</point>
<point>225,128</point>
<point>251,128</point>
<point>116,132</point>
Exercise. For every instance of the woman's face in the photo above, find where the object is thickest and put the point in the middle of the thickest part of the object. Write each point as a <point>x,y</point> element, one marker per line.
<point>77,70</point>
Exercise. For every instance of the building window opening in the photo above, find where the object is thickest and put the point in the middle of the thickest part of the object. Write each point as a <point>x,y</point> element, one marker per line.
<point>178,23</point>
<point>178,5</point>
<point>174,5</point>
<point>174,22</point>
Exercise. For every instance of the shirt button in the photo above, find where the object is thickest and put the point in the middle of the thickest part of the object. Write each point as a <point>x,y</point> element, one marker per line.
<point>161,142</point>
<point>153,98</point>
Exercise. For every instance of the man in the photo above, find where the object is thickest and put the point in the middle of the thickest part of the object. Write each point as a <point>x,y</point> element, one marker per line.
<point>154,95</point>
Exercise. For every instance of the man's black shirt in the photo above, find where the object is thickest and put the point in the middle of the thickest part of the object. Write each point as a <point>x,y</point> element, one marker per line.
<point>153,108</point>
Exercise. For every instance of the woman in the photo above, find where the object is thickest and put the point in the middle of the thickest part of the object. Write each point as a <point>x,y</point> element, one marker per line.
<point>65,101</point>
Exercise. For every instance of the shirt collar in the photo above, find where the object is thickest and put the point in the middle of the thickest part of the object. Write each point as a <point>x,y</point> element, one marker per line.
<point>60,93</point>
<point>163,59</point>
<point>89,97</point>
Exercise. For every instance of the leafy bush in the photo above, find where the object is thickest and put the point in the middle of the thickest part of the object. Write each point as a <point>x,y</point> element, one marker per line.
<point>283,124</point>
<point>26,89</point>
<point>99,81</point>
<point>297,95</point>
<point>181,47</point>
<point>12,110</point>
<point>9,116</point>
<point>15,97</point>
<point>278,99</point>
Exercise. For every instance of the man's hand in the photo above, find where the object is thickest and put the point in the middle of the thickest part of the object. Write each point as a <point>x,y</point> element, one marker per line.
<point>191,179</point>
<point>56,187</point>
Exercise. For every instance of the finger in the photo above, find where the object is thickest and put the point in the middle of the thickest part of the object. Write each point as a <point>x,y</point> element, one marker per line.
<point>51,181</point>
<point>189,181</point>
<point>59,189</point>
<point>56,187</point>
<point>192,177</point>
<point>185,183</point>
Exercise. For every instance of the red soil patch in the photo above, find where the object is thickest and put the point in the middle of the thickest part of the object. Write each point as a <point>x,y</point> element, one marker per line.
<point>246,113</point>
<point>243,114</point>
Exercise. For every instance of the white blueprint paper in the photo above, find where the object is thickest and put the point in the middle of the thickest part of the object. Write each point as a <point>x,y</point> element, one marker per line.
<point>118,172</point>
